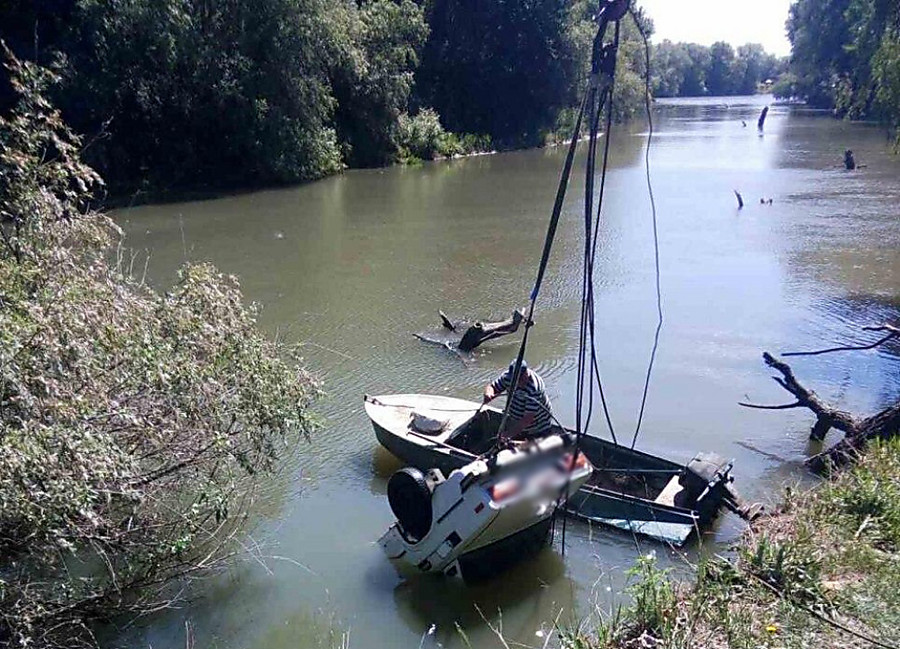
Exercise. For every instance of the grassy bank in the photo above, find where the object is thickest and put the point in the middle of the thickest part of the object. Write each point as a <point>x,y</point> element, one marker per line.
<point>823,571</point>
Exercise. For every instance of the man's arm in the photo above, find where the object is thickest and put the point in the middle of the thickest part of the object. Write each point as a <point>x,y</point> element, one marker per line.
<point>495,388</point>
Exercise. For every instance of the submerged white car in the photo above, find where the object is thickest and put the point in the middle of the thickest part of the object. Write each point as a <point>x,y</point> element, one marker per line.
<point>485,515</point>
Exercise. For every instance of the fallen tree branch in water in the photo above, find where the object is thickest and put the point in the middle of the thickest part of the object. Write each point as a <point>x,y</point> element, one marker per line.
<point>483,331</point>
<point>446,322</point>
<point>858,431</point>
<point>893,332</point>
<point>477,333</point>
<point>785,406</point>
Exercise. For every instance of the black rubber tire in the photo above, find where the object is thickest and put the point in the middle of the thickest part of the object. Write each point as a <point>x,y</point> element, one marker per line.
<point>410,500</point>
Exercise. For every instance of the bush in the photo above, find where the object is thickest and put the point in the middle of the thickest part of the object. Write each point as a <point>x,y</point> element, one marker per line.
<point>785,86</point>
<point>133,425</point>
<point>653,611</point>
<point>422,137</point>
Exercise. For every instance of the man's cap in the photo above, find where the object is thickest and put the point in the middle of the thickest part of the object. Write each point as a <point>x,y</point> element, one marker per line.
<point>512,367</point>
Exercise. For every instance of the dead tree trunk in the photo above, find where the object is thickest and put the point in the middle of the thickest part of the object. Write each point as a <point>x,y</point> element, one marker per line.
<point>482,331</point>
<point>761,122</point>
<point>476,333</point>
<point>857,431</point>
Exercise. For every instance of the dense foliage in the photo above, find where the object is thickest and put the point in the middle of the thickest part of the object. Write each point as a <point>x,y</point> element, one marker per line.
<point>508,69</point>
<point>846,56</point>
<point>132,424</point>
<point>502,68</point>
<point>188,94</point>
<point>692,70</point>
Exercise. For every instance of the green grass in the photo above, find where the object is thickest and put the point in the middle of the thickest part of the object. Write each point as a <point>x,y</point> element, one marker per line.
<point>830,557</point>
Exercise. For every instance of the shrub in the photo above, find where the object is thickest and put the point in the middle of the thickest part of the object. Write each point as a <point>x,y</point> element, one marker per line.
<point>422,137</point>
<point>133,425</point>
<point>785,86</point>
<point>653,610</point>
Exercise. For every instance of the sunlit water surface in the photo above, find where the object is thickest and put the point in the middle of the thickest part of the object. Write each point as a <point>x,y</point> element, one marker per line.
<point>352,265</point>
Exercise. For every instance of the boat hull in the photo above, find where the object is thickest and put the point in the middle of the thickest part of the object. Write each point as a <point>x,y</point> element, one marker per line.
<point>641,510</point>
<point>415,454</point>
<point>634,515</point>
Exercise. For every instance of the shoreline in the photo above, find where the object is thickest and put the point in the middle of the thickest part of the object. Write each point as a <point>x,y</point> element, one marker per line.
<point>822,570</point>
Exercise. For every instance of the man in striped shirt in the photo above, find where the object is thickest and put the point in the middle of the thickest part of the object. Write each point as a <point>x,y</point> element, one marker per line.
<point>529,411</point>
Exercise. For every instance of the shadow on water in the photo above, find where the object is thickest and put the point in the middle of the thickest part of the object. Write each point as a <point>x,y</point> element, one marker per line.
<point>382,467</point>
<point>425,600</point>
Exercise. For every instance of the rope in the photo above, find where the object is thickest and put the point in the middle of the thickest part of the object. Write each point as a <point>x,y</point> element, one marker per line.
<point>545,257</point>
<point>588,367</point>
<point>659,310</point>
<point>595,365</point>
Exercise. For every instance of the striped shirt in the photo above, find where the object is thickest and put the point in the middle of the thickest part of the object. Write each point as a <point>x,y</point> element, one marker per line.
<point>529,398</point>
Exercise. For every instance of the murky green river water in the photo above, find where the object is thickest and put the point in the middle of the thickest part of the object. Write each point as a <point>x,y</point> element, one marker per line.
<point>351,266</point>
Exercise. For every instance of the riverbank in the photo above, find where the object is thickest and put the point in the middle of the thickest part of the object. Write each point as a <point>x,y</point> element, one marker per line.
<point>137,427</point>
<point>823,570</point>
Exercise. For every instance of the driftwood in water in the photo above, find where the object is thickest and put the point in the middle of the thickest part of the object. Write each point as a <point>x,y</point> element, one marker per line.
<point>446,322</point>
<point>483,331</point>
<point>476,333</point>
<point>762,118</point>
<point>857,430</point>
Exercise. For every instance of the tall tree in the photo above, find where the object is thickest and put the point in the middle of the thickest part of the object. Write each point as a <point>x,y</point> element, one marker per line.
<point>719,79</point>
<point>498,67</point>
<point>670,67</point>
<point>843,53</point>
<point>695,83</point>
<point>818,33</point>
<point>372,74</point>
<point>750,67</point>
<point>204,93</point>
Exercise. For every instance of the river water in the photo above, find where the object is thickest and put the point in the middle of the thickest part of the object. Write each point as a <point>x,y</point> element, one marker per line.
<point>352,266</point>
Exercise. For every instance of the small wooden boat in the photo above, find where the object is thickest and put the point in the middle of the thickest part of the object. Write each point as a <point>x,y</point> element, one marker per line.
<point>628,489</point>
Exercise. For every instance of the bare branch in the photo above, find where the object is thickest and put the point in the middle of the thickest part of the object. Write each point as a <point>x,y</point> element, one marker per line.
<point>758,406</point>
<point>446,321</point>
<point>884,327</point>
<point>882,425</point>
<point>827,417</point>
<point>846,348</point>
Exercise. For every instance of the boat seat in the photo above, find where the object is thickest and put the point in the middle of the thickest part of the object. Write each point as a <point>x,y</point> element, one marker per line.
<point>670,492</point>
<point>427,423</point>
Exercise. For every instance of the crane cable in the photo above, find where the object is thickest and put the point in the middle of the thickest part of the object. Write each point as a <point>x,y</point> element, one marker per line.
<point>590,253</point>
<point>659,309</point>
<point>594,102</point>
<point>545,256</point>
<point>603,60</point>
